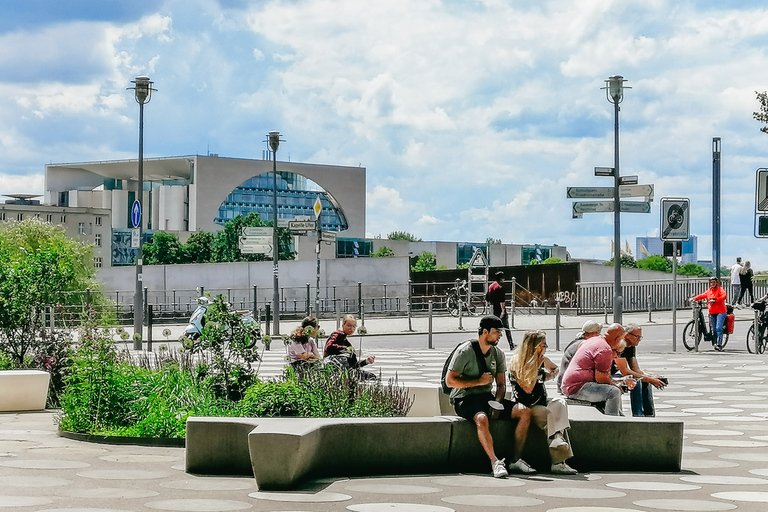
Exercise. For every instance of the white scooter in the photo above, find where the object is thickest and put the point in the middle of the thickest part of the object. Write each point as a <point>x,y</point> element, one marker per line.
<point>197,320</point>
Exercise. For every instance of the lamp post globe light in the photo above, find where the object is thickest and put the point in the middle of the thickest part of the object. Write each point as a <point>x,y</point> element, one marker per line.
<point>142,88</point>
<point>274,143</point>
<point>614,91</point>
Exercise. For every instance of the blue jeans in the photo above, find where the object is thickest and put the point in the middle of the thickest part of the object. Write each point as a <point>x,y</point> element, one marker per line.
<point>594,392</point>
<point>717,321</point>
<point>642,400</point>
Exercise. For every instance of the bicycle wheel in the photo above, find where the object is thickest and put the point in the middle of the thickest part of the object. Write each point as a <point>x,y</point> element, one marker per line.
<point>689,336</point>
<point>751,347</point>
<point>471,308</point>
<point>453,305</point>
<point>725,340</point>
<point>761,341</point>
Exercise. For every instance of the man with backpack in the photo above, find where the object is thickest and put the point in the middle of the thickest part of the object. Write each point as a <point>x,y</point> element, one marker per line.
<point>473,368</point>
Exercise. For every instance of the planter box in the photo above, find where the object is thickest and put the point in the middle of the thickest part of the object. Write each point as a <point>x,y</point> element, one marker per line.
<point>23,390</point>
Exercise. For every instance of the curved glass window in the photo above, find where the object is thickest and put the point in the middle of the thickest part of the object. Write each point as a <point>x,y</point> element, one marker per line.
<point>296,195</point>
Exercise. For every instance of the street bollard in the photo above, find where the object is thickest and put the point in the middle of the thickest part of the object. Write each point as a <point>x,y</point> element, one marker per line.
<point>557,325</point>
<point>149,327</point>
<point>461,316</point>
<point>309,311</point>
<point>429,336</point>
<point>359,299</point>
<point>650,308</point>
<point>256,312</point>
<point>514,300</point>
<point>267,316</point>
<point>605,311</point>
<point>410,302</point>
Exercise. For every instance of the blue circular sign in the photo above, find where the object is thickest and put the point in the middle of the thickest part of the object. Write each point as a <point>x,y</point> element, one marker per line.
<point>136,213</point>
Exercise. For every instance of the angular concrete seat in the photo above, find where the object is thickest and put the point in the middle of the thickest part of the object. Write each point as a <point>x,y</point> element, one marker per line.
<point>23,390</point>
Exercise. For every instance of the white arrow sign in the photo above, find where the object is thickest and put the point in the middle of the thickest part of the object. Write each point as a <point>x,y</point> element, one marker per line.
<point>255,240</point>
<point>607,192</point>
<point>580,208</point>
<point>256,249</point>
<point>257,231</point>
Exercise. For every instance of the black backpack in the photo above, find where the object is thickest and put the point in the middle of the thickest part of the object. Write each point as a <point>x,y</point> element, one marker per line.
<point>480,362</point>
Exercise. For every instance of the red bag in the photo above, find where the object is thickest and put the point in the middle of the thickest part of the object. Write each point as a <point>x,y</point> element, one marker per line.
<point>729,323</point>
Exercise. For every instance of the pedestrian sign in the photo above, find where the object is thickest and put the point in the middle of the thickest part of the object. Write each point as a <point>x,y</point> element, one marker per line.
<point>478,259</point>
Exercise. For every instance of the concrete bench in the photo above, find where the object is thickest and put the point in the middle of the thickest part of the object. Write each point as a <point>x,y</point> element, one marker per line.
<point>23,390</point>
<point>283,452</point>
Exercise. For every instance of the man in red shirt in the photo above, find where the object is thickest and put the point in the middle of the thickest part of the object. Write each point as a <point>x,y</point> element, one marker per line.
<point>715,297</point>
<point>588,376</point>
<point>497,296</point>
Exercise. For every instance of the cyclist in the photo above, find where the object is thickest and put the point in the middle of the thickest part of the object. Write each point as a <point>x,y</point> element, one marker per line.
<point>715,297</point>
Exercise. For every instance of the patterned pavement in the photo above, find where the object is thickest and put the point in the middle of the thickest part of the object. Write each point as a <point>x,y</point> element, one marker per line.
<point>721,397</point>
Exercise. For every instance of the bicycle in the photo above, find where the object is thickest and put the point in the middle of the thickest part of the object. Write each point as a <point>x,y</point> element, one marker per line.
<point>705,330</point>
<point>756,344</point>
<point>455,300</point>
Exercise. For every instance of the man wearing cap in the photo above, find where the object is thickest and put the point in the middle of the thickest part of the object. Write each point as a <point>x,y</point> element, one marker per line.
<point>588,376</point>
<point>474,367</point>
<point>498,299</point>
<point>590,329</point>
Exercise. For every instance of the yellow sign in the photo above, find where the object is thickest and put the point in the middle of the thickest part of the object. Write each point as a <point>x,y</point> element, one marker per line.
<point>317,207</point>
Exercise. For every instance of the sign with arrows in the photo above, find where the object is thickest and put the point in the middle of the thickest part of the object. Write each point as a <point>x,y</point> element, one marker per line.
<point>607,192</point>
<point>582,207</point>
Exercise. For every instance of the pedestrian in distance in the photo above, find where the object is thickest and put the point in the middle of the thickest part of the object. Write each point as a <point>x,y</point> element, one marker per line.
<point>736,280</point>
<point>339,351</point>
<point>529,368</point>
<point>474,369</point>
<point>302,350</point>
<point>497,296</point>
<point>715,297</point>
<point>746,284</point>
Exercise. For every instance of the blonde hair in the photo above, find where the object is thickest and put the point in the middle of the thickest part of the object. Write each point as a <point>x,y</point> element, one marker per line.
<point>525,362</point>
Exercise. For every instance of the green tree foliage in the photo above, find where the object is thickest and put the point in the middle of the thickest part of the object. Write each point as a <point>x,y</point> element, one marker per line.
<point>425,262</point>
<point>198,248</point>
<point>383,252</point>
<point>550,261</point>
<point>491,241</point>
<point>164,249</point>
<point>627,261</point>
<point>655,262</point>
<point>693,269</point>
<point>39,267</point>
<point>761,115</point>
<point>403,235</point>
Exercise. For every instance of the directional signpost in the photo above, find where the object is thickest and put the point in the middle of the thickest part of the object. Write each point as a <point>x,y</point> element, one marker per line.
<point>302,225</point>
<point>256,240</point>
<point>582,207</point>
<point>607,192</point>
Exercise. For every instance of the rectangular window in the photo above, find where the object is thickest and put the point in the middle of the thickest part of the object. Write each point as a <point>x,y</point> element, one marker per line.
<point>49,218</point>
<point>81,228</point>
<point>2,215</point>
<point>63,219</point>
<point>98,221</point>
<point>97,239</point>
<point>19,216</point>
<point>97,262</point>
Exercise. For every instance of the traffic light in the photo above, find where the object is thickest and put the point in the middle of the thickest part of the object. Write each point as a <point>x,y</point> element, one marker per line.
<point>762,226</point>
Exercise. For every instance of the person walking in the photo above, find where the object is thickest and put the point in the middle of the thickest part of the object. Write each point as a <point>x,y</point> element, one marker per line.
<point>746,284</point>
<point>736,280</point>
<point>715,297</point>
<point>497,296</point>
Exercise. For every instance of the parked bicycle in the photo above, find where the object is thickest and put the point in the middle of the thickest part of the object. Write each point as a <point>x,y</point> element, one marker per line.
<point>706,331</point>
<point>756,336</point>
<point>459,297</point>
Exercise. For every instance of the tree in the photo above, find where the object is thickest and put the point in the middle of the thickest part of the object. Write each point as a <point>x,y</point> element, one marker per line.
<point>655,262</point>
<point>403,235</point>
<point>164,249</point>
<point>491,241</point>
<point>693,269</point>
<point>550,261</point>
<point>761,115</point>
<point>198,248</point>
<point>627,261</point>
<point>383,252</point>
<point>225,245</point>
<point>425,262</point>
<point>39,267</point>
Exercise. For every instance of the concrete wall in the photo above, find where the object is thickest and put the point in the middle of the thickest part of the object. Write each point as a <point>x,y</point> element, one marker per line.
<point>596,273</point>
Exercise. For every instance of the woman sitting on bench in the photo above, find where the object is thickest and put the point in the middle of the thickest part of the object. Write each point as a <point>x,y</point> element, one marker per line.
<point>528,369</point>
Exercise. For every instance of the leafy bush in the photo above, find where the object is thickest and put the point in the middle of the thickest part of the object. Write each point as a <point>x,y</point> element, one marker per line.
<point>655,262</point>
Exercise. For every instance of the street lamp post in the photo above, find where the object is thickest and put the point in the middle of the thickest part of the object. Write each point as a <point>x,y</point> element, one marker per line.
<point>716,205</point>
<point>274,143</point>
<point>143,93</point>
<point>614,91</point>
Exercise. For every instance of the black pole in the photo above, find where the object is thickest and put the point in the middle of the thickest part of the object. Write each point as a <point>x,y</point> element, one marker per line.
<point>716,205</point>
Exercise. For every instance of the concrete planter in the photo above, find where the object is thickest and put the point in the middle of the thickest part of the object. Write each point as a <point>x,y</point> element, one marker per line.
<point>23,390</point>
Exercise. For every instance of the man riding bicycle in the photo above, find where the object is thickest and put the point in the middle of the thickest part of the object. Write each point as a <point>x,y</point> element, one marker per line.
<point>715,297</point>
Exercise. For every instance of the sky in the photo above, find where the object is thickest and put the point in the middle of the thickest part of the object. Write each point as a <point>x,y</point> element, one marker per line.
<point>471,117</point>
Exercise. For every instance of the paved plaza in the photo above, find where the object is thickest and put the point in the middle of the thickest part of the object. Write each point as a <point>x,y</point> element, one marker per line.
<point>721,397</point>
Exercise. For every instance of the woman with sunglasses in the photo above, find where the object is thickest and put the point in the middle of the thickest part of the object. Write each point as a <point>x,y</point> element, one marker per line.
<point>529,368</point>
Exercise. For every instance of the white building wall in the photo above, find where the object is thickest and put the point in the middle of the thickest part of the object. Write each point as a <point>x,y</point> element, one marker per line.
<point>171,207</point>
<point>119,209</point>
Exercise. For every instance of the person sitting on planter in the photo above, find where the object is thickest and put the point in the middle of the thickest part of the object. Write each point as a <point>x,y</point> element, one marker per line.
<point>340,352</point>
<point>302,350</point>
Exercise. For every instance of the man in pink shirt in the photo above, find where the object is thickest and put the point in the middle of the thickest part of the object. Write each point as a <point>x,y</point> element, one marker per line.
<point>588,376</point>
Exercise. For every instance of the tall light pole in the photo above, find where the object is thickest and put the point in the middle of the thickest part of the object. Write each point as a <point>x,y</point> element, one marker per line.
<point>274,143</point>
<point>614,91</point>
<point>716,205</point>
<point>142,88</point>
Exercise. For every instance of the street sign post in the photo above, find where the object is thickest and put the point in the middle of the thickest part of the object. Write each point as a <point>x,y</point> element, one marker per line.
<point>328,236</point>
<point>136,213</point>
<point>265,249</point>
<point>302,225</point>
<point>582,207</point>
<point>675,218</point>
<point>257,231</point>
<point>135,238</point>
<point>761,191</point>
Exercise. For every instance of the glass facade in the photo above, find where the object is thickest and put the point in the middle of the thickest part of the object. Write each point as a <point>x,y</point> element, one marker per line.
<point>537,253</point>
<point>353,248</point>
<point>464,252</point>
<point>295,197</point>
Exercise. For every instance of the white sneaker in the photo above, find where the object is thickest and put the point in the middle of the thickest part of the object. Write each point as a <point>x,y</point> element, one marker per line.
<point>562,469</point>
<point>521,467</point>
<point>558,442</point>
<point>499,468</point>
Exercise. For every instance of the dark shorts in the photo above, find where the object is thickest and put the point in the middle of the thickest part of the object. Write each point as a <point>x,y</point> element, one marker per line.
<point>468,406</point>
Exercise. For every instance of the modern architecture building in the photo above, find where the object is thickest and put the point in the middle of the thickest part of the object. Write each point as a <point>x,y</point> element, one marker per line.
<point>650,246</point>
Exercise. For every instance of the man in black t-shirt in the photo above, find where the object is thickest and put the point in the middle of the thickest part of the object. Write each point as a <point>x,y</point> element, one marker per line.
<point>498,299</point>
<point>641,396</point>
